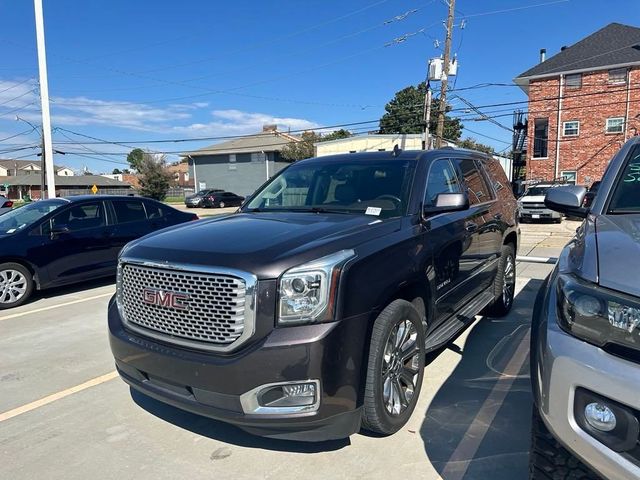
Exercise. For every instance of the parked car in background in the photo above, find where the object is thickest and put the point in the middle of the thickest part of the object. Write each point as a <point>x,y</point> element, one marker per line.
<point>585,335</point>
<point>591,194</point>
<point>531,204</point>
<point>222,200</point>
<point>67,240</point>
<point>5,205</point>
<point>196,199</point>
<point>307,314</point>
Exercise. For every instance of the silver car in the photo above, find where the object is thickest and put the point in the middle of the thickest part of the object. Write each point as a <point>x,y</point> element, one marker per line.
<point>585,335</point>
<point>5,205</point>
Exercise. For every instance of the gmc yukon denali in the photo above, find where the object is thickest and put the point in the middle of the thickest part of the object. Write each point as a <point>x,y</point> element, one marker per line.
<point>307,313</point>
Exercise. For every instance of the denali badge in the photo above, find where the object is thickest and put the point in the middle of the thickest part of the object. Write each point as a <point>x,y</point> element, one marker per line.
<point>163,298</point>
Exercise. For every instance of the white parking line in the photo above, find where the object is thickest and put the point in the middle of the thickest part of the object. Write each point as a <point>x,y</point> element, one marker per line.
<point>51,307</point>
<point>57,396</point>
<point>461,458</point>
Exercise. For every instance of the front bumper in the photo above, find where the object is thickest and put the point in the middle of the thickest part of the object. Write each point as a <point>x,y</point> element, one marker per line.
<point>211,385</point>
<point>538,213</point>
<point>563,364</point>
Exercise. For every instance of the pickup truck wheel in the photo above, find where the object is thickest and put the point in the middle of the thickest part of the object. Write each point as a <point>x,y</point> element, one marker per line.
<point>16,285</point>
<point>395,369</point>
<point>504,284</point>
<point>548,460</point>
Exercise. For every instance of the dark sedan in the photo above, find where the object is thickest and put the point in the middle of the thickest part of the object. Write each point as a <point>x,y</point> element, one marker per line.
<point>222,200</point>
<point>197,199</point>
<point>68,240</point>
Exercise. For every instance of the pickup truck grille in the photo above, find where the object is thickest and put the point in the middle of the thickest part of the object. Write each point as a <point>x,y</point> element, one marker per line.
<point>533,205</point>
<point>201,310</point>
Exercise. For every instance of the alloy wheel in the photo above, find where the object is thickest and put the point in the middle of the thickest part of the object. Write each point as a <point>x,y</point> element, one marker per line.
<point>509,281</point>
<point>400,366</point>
<point>13,286</point>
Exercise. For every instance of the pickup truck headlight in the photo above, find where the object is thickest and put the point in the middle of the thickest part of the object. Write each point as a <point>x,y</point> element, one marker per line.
<point>596,314</point>
<point>307,293</point>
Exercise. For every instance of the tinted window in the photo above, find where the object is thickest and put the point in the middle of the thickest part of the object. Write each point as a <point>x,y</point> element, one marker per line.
<point>80,217</point>
<point>477,187</point>
<point>22,217</point>
<point>442,179</point>
<point>129,211</point>
<point>155,211</point>
<point>626,197</point>
<point>537,191</point>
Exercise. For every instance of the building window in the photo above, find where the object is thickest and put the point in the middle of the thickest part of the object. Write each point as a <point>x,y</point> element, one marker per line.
<point>618,75</point>
<point>569,176</point>
<point>571,129</point>
<point>540,137</point>
<point>615,125</point>
<point>573,81</point>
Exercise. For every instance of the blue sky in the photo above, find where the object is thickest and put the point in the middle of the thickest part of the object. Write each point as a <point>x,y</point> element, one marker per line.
<point>129,71</point>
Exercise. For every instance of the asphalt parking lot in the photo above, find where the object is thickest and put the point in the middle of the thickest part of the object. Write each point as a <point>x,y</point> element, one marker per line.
<point>64,414</point>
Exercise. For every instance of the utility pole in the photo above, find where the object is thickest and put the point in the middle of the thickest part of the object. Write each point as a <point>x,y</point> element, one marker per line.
<point>47,151</point>
<point>445,74</point>
<point>426,115</point>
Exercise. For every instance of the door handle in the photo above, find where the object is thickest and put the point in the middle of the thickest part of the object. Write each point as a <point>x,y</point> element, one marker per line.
<point>471,227</point>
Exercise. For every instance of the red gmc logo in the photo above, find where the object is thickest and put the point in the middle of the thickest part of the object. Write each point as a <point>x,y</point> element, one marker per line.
<point>162,298</point>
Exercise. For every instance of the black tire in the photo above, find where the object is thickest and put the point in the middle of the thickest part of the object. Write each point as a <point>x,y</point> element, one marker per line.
<point>25,287</point>
<point>548,460</point>
<point>504,284</point>
<point>387,368</point>
<point>221,204</point>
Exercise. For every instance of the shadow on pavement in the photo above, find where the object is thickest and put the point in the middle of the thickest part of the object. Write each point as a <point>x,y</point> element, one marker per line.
<point>227,433</point>
<point>474,390</point>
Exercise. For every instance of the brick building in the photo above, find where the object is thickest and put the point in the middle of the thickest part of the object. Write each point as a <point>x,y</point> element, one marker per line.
<point>592,91</point>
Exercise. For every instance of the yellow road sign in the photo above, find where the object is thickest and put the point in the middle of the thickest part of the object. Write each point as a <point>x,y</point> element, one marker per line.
<point>94,189</point>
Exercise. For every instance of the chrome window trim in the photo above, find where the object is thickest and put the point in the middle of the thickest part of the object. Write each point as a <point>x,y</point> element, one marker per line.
<point>251,282</point>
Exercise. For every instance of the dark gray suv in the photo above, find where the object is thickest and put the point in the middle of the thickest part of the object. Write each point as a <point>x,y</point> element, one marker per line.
<point>585,338</point>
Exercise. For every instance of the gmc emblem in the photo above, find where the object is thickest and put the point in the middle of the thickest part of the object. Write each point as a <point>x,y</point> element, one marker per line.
<point>163,298</point>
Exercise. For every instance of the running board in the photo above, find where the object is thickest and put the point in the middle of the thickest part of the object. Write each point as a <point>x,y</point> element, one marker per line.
<point>450,328</point>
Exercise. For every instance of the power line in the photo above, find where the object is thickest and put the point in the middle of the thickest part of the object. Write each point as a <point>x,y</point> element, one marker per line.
<point>17,135</point>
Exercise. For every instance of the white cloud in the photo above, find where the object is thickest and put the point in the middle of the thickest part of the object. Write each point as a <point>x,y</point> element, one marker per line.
<point>237,122</point>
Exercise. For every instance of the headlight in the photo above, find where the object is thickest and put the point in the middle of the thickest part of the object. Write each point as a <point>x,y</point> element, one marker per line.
<point>598,315</point>
<point>307,293</point>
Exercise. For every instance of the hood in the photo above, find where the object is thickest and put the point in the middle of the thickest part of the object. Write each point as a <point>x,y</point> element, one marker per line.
<point>265,244</point>
<point>533,198</point>
<point>619,252</point>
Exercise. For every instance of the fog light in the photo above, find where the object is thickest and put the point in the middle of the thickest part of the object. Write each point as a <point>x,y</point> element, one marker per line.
<point>282,398</point>
<point>600,417</point>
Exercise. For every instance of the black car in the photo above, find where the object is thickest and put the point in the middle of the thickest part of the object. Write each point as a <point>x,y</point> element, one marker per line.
<point>222,200</point>
<point>307,314</point>
<point>196,199</point>
<point>67,240</point>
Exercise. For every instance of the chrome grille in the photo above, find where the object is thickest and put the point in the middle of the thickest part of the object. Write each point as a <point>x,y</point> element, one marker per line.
<point>213,309</point>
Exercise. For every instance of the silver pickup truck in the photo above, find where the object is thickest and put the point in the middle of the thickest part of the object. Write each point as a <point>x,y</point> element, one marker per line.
<point>531,205</point>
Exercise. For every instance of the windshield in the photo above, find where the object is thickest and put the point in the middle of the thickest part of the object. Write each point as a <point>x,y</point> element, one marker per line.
<point>626,197</point>
<point>22,217</point>
<point>378,188</point>
<point>537,191</point>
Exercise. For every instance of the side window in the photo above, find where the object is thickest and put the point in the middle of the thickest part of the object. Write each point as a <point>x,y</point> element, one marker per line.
<point>129,211</point>
<point>477,187</point>
<point>79,217</point>
<point>442,179</point>
<point>155,212</point>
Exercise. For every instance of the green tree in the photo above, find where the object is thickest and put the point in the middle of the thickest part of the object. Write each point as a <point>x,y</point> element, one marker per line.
<point>473,144</point>
<point>404,114</point>
<point>304,148</point>
<point>135,157</point>
<point>153,176</point>
<point>116,171</point>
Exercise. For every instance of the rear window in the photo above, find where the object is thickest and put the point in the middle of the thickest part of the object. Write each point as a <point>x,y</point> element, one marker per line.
<point>129,211</point>
<point>155,211</point>
<point>626,196</point>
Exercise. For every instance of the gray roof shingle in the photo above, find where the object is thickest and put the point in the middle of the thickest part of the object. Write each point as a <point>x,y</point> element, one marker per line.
<point>260,142</point>
<point>615,44</point>
<point>31,179</point>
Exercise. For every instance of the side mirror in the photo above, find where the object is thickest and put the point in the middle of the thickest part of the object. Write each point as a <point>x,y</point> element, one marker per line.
<point>448,202</point>
<point>567,200</point>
